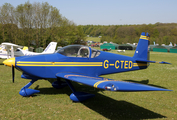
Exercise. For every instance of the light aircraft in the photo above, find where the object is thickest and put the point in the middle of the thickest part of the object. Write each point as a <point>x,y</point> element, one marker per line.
<point>9,50</point>
<point>5,48</point>
<point>84,65</point>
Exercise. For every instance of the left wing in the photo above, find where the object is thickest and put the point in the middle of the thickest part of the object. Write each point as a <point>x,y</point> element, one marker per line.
<point>108,84</point>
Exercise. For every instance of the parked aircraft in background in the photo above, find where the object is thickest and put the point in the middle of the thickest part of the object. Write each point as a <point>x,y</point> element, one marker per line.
<point>5,49</point>
<point>9,50</point>
<point>84,65</point>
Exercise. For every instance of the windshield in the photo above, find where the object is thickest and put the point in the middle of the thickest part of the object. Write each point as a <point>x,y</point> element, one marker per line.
<point>78,51</point>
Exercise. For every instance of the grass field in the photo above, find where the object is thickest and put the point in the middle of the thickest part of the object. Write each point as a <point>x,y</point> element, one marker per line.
<point>95,39</point>
<point>54,104</point>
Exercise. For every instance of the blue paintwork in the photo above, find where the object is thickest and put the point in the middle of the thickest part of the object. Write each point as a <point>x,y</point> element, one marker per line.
<point>87,68</point>
<point>27,92</point>
<point>101,83</point>
<point>141,52</point>
<point>50,72</point>
<point>80,96</point>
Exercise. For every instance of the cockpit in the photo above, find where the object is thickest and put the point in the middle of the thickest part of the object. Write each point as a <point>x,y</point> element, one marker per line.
<point>78,51</point>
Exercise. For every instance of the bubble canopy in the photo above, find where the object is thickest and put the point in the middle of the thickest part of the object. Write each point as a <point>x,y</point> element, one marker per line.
<point>78,51</point>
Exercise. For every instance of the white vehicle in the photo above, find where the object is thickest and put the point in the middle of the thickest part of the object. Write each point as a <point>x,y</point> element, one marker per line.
<point>8,50</point>
<point>120,50</point>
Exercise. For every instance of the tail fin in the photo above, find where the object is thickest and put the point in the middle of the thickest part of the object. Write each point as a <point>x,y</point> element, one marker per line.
<point>142,50</point>
<point>25,48</point>
<point>50,48</point>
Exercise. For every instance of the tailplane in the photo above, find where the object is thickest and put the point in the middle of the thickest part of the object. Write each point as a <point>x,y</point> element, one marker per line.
<point>50,48</point>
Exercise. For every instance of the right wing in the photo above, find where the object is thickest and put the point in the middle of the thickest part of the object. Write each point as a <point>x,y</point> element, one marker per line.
<point>108,84</point>
<point>11,46</point>
<point>8,45</point>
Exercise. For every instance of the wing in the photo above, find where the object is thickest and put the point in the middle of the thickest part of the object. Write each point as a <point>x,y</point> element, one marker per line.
<point>108,84</point>
<point>8,45</point>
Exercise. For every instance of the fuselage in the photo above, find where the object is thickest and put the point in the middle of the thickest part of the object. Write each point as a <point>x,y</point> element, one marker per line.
<point>47,66</point>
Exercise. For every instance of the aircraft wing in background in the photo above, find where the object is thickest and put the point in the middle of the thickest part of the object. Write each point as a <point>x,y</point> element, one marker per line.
<point>9,47</point>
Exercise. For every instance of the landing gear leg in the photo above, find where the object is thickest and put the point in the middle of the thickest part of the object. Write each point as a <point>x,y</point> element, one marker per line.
<point>59,84</point>
<point>78,96</point>
<point>27,92</point>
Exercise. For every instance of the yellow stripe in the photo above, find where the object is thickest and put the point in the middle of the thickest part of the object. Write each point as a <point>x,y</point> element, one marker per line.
<point>60,62</point>
<point>144,37</point>
<point>139,64</point>
<point>26,63</point>
<point>97,83</point>
<point>53,65</point>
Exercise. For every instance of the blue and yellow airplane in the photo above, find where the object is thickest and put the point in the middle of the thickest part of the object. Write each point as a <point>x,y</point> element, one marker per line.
<point>84,65</point>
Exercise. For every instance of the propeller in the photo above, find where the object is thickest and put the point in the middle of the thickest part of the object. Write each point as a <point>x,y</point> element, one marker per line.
<point>11,63</point>
<point>13,73</point>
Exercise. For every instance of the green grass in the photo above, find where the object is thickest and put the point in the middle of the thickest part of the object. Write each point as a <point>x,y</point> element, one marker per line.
<point>95,39</point>
<point>53,103</point>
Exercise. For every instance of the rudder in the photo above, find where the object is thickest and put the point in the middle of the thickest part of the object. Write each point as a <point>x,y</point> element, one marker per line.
<point>142,50</point>
<point>50,48</point>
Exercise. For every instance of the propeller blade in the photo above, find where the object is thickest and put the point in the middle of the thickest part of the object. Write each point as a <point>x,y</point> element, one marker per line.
<point>13,73</point>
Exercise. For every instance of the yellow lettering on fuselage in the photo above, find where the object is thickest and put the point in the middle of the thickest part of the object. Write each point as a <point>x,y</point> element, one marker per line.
<point>119,64</point>
<point>126,65</point>
<point>106,65</point>
<point>122,63</point>
<point>130,64</point>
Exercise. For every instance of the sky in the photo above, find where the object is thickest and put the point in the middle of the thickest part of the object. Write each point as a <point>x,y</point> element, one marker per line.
<point>112,12</point>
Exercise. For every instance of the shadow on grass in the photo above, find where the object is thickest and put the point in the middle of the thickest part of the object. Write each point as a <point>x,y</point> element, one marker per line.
<point>106,106</point>
<point>1,63</point>
<point>53,91</point>
<point>114,109</point>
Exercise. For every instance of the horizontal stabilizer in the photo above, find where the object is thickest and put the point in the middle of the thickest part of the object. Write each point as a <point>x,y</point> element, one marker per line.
<point>162,62</point>
<point>108,84</point>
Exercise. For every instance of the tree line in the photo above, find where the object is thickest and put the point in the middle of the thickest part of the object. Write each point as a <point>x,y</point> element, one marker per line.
<point>161,33</point>
<point>38,23</point>
<point>41,23</point>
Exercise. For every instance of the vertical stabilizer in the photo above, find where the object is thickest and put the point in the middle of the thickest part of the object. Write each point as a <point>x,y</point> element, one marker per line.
<point>25,48</point>
<point>50,48</point>
<point>142,50</point>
